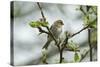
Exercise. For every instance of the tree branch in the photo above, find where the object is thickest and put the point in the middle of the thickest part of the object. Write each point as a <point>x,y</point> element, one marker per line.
<point>42,31</point>
<point>67,49</point>
<point>83,56</point>
<point>62,48</point>
<point>79,31</point>
<point>84,28</point>
<point>89,41</point>
<point>41,11</point>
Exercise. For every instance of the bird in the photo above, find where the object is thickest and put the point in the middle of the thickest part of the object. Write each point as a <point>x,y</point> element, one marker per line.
<point>56,30</point>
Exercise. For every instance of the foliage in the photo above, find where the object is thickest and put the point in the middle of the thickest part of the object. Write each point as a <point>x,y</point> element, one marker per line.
<point>89,16</point>
<point>36,24</point>
<point>73,46</point>
<point>76,57</point>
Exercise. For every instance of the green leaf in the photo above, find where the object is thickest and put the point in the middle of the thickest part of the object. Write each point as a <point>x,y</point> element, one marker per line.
<point>72,45</point>
<point>94,9</point>
<point>44,24</point>
<point>91,22</point>
<point>93,25</point>
<point>76,57</point>
<point>86,20</point>
<point>36,24</point>
<point>90,16</point>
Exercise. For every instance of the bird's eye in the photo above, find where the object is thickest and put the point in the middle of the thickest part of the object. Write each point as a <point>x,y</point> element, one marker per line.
<point>61,23</point>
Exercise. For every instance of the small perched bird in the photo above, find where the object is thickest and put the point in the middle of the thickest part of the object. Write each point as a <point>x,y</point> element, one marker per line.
<point>56,29</point>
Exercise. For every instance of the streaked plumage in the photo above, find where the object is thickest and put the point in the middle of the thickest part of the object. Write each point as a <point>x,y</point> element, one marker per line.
<point>56,30</point>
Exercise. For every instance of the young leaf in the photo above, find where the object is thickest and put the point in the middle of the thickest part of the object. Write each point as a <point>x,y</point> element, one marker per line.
<point>44,24</point>
<point>76,57</point>
<point>72,45</point>
<point>86,20</point>
<point>93,24</point>
<point>36,24</point>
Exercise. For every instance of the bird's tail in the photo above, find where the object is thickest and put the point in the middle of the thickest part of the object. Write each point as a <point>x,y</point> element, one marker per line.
<point>46,45</point>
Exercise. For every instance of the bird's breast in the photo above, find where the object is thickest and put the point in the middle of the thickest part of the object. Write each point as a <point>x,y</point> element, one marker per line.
<point>57,32</point>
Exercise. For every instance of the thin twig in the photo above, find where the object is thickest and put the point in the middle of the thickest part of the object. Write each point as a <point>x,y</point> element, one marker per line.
<point>94,11</point>
<point>84,28</point>
<point>83,56</point>
<point>62,48</point>
<point>90,45</point>
<point>68,49</point>
<point>61,56</point>
<point>41,11</point>
<point>79,31</point>
<point>82,10</point>
<point>42,31</point>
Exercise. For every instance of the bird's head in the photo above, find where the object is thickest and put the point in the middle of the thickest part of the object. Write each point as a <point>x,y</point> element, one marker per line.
<point>58,23</point>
